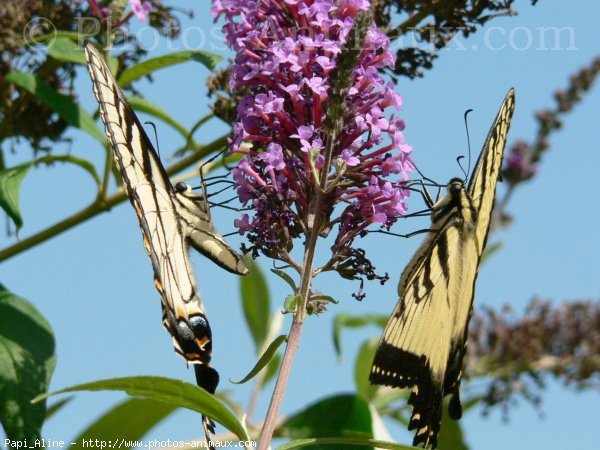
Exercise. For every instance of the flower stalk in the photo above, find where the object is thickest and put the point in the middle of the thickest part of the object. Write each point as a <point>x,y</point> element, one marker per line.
<point>310,126</point>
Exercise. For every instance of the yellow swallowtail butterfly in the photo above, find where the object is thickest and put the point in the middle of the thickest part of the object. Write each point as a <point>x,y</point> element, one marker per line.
<point>424,341</point>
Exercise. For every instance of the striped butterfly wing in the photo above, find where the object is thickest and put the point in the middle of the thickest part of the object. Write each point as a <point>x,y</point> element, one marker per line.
<point>170,221</point>
<point>423,343</point>
<point>482,186</point>
<point>481,193</point>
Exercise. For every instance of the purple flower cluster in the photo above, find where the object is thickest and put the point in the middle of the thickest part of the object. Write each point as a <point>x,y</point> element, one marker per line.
<point>518,166</point>
<point>286,57</point>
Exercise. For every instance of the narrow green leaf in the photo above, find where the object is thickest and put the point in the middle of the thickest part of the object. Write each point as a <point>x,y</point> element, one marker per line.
<point>48,38</point>
<point>175,392</point>
<point>126,423</point>
<point>142,69</point>
<point>343,320</point>
<point>64,49</point>
<point>10,187</point>
<point>141,104</point>
<point>345,415</point>
<point>56,407</point>
<point>287,278</point>
<point>27,360</point>
<point>264,359</point>
<point>362,368</point>
<point>324,298</point>
<point>64,106</point>
<point>342,443</point>
<point>272,369</point>
<point>256,303</point>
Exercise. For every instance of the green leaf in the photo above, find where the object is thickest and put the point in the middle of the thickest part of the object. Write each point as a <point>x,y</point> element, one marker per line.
<point>27,360</point>
<point>264,359</point>
<point>324,298</point>
<point>142,69</point>
<point>342,443</point>
<point>141,104</point>
<point>343,320</point>
<point>272,369</point>
<point>287,278</point>
<point>362,368</point>
<point>65,50</point>
<point>256,303</point>
<point>175,392</point>
<point>64,106</point>
<point>10,186</point>
<point>48,38</point>
<point>126,423</point>
<point>345,415</point>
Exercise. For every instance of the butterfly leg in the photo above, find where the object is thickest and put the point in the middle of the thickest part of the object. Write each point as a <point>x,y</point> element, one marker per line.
<point>408,235</point>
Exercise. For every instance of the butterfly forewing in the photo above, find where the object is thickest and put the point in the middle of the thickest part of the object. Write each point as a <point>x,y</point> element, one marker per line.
<point>482,186</point>
<point>423,343</point>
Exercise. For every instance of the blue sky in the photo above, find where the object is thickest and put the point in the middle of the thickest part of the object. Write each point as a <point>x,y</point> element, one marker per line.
<point>94,283</point>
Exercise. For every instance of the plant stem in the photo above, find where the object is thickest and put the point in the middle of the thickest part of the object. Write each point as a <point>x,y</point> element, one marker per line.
<point>295,330</point>
<point>314,218</point>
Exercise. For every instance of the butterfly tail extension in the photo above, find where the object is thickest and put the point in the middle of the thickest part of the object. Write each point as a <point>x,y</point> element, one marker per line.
<point>454,373</point>
<point>426,416</point>
<point>207,378</point>
<point>209,428</point>
<point>398,368</point>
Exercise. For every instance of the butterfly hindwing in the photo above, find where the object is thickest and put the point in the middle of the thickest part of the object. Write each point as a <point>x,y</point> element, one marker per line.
<point>424,341</point>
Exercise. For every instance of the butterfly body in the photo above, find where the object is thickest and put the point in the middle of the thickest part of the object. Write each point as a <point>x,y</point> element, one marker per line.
<point>424,341</point>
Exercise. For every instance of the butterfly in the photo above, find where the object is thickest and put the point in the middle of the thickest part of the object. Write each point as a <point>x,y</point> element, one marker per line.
<point>172,218</point>
<point>424,341</point>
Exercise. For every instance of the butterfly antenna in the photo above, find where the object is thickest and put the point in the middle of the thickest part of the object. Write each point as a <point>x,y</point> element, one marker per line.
<point>209,427</point>
<point>468,142</point>
<point>155,136</point>
<point>203,181</point>
<point>458,158</point>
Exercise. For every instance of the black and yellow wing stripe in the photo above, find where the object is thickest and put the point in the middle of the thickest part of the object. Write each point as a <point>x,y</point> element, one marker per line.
<point>423,343</point>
